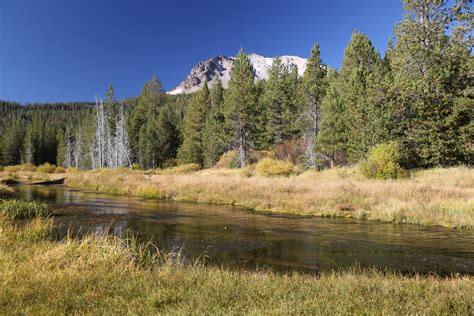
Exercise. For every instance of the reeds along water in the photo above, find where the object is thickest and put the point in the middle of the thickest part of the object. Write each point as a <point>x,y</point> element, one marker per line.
<point>441,197</point>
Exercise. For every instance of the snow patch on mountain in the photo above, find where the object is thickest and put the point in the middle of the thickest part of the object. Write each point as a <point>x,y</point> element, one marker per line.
<point>206,71</point>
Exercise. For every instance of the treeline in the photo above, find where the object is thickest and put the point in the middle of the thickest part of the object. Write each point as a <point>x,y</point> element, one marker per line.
<point>144,131</point>
<point>419,96</point>
<point>29,133</point>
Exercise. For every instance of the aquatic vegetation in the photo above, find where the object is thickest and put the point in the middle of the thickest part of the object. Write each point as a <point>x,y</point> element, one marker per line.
<point>16,209</point>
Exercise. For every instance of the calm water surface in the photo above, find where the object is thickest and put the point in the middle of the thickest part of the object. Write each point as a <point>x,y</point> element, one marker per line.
<point>237,238</point>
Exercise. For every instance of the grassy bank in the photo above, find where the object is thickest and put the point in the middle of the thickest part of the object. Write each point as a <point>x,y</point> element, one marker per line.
<point>443,197</point>
<point>40,274</point>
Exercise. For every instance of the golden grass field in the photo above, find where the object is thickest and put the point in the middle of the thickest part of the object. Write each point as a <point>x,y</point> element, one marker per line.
<point>443,197</point>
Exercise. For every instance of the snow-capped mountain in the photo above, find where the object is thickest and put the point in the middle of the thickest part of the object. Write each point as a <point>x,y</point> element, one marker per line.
<point>206,71</point>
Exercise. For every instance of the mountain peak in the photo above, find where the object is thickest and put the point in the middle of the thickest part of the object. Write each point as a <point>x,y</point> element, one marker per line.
<point>207,70</point>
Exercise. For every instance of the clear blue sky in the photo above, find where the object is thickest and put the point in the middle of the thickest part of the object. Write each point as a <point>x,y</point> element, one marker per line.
<point>69,50</point>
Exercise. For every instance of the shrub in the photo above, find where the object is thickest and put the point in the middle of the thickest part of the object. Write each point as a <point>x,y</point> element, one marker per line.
<point>170,163</point>
<point>257,155</point>
<point>59,169</point>
<point>227,160</point>
<point>271,167</point>
<point>46,168</point>
<point>16,209</point>
<point>383,162</point>
<point>150,192</point>
<point>72,170</point>
<point>13,168</point>
<point>291,150</point>
<point>183,169</point>
<point>28,167</point>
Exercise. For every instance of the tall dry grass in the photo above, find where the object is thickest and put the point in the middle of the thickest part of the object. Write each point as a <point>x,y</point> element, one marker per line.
<point>440,196</point>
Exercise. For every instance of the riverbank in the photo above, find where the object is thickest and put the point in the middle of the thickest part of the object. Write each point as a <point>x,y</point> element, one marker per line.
<point>43,274</point>
<point>436,197</point>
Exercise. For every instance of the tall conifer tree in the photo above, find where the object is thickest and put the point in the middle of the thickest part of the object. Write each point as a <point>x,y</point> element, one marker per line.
<point>432,86</point>
<point>332,138</point>
<point>358,64</point>
<point>214,134</point>
<point>240,106</point>
<point>192,151</point>
<point>312,91</point>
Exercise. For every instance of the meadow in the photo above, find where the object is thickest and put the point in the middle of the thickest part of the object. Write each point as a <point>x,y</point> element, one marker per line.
<point>434,197</point>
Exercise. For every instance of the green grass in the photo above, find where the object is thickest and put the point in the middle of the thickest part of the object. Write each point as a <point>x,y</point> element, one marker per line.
<point>109,275</point>
<point>16,209</point>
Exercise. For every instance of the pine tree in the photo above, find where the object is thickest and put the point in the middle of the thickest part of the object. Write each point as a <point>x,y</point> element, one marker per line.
<point>64,152</point>
<point>168,139</point>
<point>143,123</point>
<point>240,103</point>
<point>290,113</point>
<point>191,151</point>
<point>279,101</point>
<point>432,86</point>
<point>12,141</point>
<point>214,133</point>
<point>148,146</point>
<point>274,101</point>
<point>259,137</point>
<point>111,108</point>
<point>332,138</point>
<point>28,150</point>
<point>359,62</point>
<point>312,91</point>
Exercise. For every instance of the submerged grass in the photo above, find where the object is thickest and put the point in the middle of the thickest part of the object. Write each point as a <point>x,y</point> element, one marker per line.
<point>442,196</point>
<point>109,275</point>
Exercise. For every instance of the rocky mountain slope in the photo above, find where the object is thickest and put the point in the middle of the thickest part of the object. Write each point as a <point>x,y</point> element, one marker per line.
<point>221,65</point>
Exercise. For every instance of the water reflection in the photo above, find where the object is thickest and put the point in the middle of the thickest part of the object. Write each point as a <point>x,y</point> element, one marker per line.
<point>234,237</point>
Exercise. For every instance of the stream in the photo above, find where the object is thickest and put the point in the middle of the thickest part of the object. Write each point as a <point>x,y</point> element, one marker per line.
<point>234,237</point>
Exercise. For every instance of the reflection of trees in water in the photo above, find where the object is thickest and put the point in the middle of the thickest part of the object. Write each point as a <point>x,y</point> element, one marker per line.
<point>37,192</point>
<point>67,197</point>
<point>28,193</point>
<point>116,227</point>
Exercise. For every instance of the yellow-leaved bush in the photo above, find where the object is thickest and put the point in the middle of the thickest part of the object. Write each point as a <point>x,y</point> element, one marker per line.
<point>270,167</point>
<point>383,162</point>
